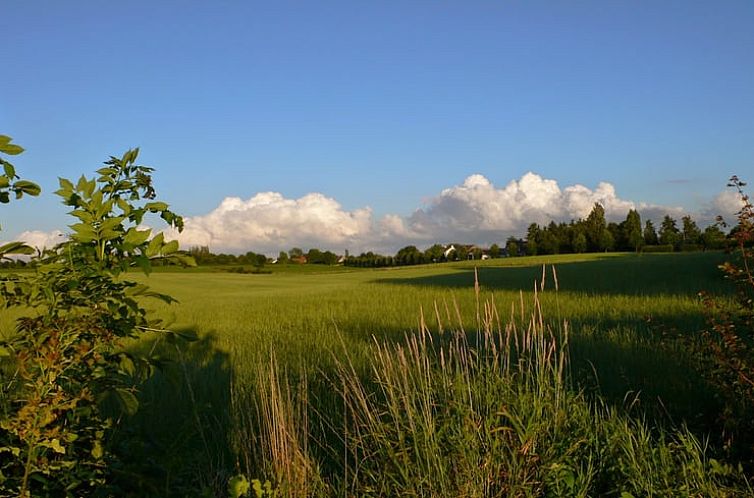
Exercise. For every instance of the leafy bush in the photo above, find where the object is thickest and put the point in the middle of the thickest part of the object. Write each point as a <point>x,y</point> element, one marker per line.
<point>727,348</point>
<point>65,377</point>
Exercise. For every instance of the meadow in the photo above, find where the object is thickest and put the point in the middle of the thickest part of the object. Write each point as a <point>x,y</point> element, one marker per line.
<point>311,379</point>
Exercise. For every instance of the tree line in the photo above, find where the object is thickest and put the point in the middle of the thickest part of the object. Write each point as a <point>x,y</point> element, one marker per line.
<point>595,234</point>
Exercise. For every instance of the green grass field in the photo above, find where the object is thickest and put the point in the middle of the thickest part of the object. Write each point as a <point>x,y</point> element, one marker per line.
<point>452,379</point>
<point>314,320</point>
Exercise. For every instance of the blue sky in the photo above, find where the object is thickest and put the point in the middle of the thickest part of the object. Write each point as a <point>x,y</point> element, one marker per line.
<point>380,104</point>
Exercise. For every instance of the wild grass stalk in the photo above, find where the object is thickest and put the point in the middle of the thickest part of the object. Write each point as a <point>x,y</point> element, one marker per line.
<point>482,415</point>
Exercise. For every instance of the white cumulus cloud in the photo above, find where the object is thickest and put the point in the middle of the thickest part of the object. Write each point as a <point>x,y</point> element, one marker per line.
<point>726,204</point>
<point>478,211</point>
<point>268,222</point>
<point>474,211</point>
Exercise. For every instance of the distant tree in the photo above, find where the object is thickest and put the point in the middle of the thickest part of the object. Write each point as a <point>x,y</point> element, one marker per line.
<point>494,251</point>
<point>632,230</point>
<point>409,255</point>
<point>462,252</point>
<point>713,238</point>
<point>532,236</point>
<point>691,233</point>
<point>258,260</point>
<point>282,258</point>
<point>435,253</point>
<point>547,243</point>
<point>564,234</point>
<point>607,240</point>
<point>329,258</point>
<point>579,242</point>
<point>318,257</point>
<point>616,239</point>
<point>512,246</point>
<point>669,234</point>
<point>295,253</point>
<point>201,255</point>
<point>595,225</point>
<point>650,234</point>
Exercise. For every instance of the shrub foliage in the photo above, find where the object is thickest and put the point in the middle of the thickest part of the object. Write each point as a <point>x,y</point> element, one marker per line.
<point>66,379</point>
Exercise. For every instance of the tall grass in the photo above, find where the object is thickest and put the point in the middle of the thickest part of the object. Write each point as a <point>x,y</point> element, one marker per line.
<point>490,411</point>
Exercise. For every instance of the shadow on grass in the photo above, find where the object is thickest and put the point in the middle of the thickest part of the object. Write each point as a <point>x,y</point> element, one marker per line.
<point>177,443</point>
<point>648,274</point>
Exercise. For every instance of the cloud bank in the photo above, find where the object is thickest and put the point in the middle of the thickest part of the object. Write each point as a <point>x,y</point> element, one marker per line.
<point>268,222</point>
<point>474,211</point>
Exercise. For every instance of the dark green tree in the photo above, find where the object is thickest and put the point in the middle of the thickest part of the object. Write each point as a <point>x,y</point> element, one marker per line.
<point>669,234</point>
<point>409,255</point>
<point>632,230</point>
<point>494,251</point>
<point>690,231</point>
<point>616,241</point>
<point>512,246</point>
<point>547,242</point>
<point>713,238</point>
<point>595,226</point>
<point>650,234</point>
<point>580,243</point>
<point>435,253</point>
<point>532,236</point>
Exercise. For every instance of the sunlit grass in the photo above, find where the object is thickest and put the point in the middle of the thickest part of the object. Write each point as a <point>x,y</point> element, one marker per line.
<point>617,308</point>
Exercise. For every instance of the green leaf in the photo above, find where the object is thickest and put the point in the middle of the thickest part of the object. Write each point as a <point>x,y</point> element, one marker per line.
<point>56,446</point>
<point>156,206</point>
<point>238,486</point>
<point>5,139</point>
<point>127,364</point>
<point>144,263</point>
<point>4,181</point>
<point>10,171</point>
<point>183,259</point>
<point>83,232</point>
<point>124,206</point>
<point>84,216</point>
<point>27,187</point>
<point>153,249</point>
<point>126,400</point>
<point>107,171</point>
<point>111,223</point>
<point>4,352</point>
<point>169,248</point>
<point>11,149</point>
<point>97,451</point>
<point>65,184</point>
<point>136,237</point>
<point>16,248</point>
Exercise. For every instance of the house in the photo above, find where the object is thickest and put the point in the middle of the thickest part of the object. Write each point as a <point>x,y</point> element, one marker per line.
<point>449,250</point>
